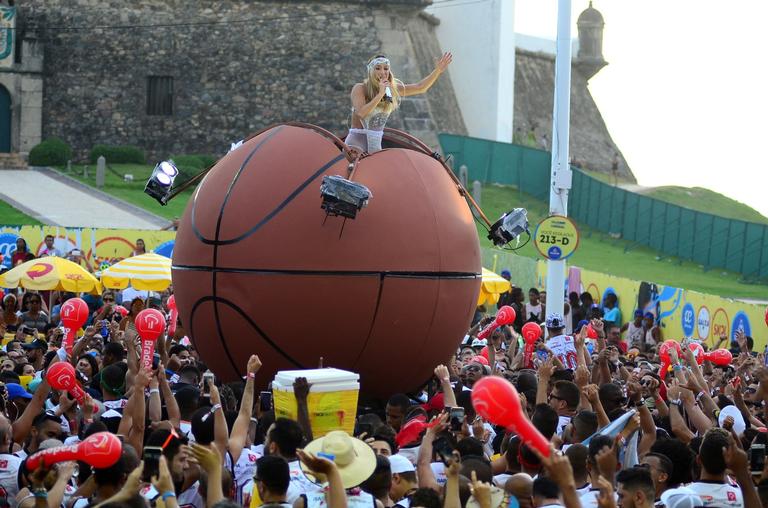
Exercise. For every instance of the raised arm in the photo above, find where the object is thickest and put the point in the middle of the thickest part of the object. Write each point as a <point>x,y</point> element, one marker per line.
<point>362,108</point>
<point>239,432</point>
<point>425,84</point>
<point>449,398</point>
<point>171,406</point>
<point>24,422</point>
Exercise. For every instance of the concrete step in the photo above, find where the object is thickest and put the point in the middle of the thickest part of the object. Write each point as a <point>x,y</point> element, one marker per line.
<point>13,161</point>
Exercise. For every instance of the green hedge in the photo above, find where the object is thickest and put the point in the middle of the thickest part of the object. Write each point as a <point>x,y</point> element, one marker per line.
<point>118,154</point>
<point>51,152</point>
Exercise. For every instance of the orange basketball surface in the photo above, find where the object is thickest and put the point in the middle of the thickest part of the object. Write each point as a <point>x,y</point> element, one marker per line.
<point>258,268</point>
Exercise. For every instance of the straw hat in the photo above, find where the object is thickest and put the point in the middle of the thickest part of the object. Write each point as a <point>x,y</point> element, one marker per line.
<point>354,459</point>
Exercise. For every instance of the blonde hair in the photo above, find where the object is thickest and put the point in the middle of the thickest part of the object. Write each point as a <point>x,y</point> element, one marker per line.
<point>372,87</point>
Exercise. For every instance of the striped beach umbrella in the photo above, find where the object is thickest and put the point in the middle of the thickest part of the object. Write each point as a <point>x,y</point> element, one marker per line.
<point>147,272</point>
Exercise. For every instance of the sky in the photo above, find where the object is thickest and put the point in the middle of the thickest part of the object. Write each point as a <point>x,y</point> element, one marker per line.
<point>684,94</point>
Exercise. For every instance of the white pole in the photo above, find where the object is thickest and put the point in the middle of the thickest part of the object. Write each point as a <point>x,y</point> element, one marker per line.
<point>561,171</point>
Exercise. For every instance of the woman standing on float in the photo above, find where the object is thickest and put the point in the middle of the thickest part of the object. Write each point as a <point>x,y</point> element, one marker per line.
<point>378,96</point>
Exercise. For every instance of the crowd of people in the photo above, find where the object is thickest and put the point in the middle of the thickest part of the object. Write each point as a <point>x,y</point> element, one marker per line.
<point>622,431</point>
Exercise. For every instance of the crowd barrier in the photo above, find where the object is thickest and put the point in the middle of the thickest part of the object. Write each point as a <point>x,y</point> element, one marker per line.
<point>704,238</point>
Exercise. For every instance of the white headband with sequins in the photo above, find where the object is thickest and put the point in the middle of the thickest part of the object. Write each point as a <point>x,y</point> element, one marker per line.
<point>377,61</point>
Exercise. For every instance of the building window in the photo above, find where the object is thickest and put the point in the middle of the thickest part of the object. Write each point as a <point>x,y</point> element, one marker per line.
<point>159,95</point>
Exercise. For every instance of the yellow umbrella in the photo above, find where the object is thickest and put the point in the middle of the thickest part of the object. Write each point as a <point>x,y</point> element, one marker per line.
<point>148,272</point>
<point>51,273</point>
<point>491,287</point>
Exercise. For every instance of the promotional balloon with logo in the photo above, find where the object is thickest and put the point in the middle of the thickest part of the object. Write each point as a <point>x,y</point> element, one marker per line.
<point>150,323</point>
<point>496,400</point>
<point>61,376</point>
<point>531,333</point>
<point>505,316</point>
<point>100,450</point>
<point>174,315</point>
<point>698,351</point>
<point>74,313</point>
<point>664,355</point>
<point>720,357</point>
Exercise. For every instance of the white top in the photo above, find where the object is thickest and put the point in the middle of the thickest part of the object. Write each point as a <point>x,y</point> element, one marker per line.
<point>718,494</point>
<point>635,335</point>
<point>534,310</point>
<point>9,477</point>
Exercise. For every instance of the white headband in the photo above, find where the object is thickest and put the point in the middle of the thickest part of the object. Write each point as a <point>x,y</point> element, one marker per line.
<point>377,61</point>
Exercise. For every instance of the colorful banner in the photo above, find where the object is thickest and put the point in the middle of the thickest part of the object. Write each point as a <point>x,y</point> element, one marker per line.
<point>100,248</point>
<point>681,313</point>
<point>7,35</point>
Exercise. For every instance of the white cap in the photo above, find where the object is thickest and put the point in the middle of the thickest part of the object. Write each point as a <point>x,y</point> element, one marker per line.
<point>681,497</point>
<point>479,342</point>
<point>400,464</point>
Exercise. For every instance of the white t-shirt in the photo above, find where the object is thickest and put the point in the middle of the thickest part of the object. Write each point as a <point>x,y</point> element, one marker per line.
<point>718,494</point>
<point>9,478</point>
<point>562,422</point>
<point>299,485</point>
<point>533,311</point>
<point>564,347</point>
<point>588,497</point>
<point>190,498</point>
<point>635,335</point>
<point>438,469</point>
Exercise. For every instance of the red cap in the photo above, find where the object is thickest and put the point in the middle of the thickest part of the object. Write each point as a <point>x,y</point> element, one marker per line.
<point>436,403</point>
<point>411,431</point>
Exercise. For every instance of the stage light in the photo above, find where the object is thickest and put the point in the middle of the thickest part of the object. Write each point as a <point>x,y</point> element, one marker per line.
<point>343,197</point>
<point>160,183</point>
<point>509,227</point>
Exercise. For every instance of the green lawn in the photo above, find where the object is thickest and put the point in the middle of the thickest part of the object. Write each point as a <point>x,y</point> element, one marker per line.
<point>132,192</point>
<point>10,216</point>
<point>596,251</point>
<point>601,253</point>
<point>705,200</point>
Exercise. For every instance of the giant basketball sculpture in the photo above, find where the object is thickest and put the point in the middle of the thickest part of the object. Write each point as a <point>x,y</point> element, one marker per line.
<point>259,268</point>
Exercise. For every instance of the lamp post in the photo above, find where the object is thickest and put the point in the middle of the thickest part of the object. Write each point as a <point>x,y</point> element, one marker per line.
<point>561,175</point>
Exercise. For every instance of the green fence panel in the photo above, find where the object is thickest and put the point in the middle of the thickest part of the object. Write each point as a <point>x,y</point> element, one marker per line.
<point>753,240</point>
<point>604,195</point>
<point>687,236</point>
<point>644,206</point>
<point>658,213</point>
<point>734,246</point>
<point>718,247</point>
<point>764,256</point>
<point>671,232</point>
<point>702,237</point>
<point>630,217</point>
<point>618,210</point>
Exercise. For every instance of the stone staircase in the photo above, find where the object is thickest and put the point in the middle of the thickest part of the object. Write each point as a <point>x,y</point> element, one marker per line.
<point>13,161</point>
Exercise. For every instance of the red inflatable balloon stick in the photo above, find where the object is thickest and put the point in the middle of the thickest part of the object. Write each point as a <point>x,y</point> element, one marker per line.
<point>505,316</point>
<point>100,450</point>
<point>720,357</point>
<point>150,323</point>
<point>61,376</point>
<point>698,351</point>
<point>74,314</point>
<point>496,400</point>
<point>664,355</point>
<point>174,315</point>
<point>531,333</point>
<point>591,333</point>
<point>484,353</point>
